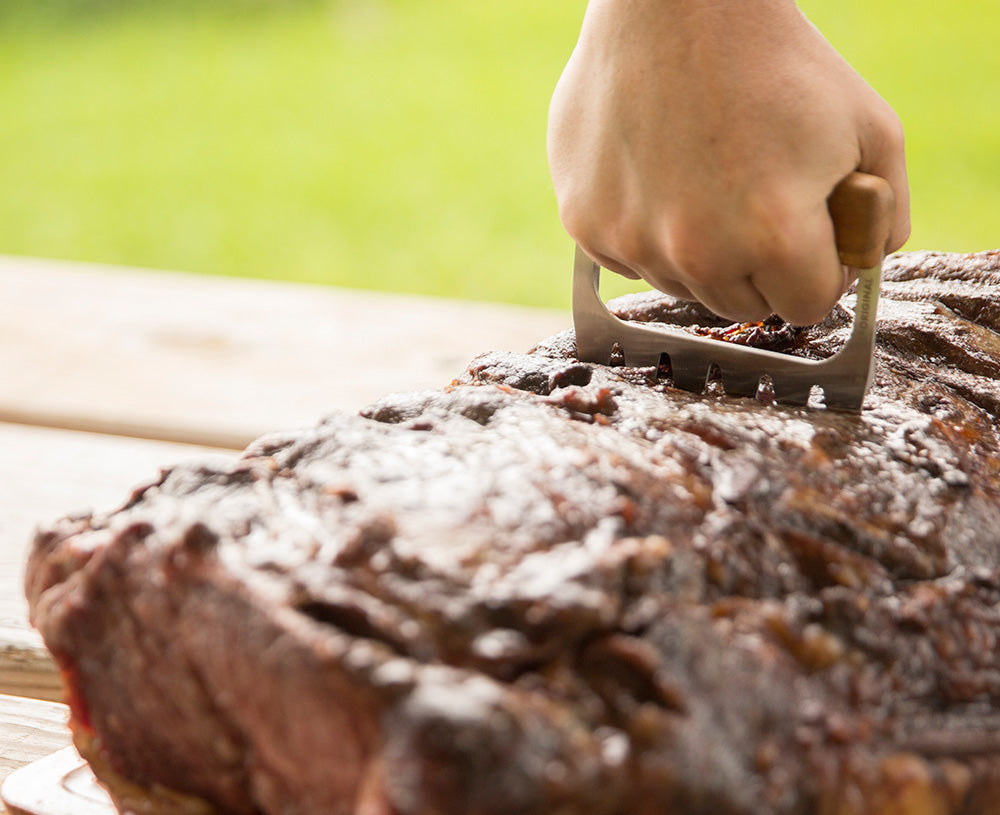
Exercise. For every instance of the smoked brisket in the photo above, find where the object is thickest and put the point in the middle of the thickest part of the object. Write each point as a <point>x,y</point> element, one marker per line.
<point>557,588</point>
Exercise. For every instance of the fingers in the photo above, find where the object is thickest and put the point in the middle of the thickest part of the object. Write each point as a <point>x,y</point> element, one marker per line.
<point>883,154</point>
<point>615,266</point>
<point>663,281</point>
<point>778,257</point>
<point>786,265</point>
<point>738,300</point>
<point>803,283</point>
<point>704,278</point>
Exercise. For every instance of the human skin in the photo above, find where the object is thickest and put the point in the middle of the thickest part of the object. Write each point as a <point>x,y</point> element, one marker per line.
<point>694,143</point>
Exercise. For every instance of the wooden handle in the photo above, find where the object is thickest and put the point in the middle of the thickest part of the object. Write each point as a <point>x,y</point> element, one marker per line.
<point>862,207</point>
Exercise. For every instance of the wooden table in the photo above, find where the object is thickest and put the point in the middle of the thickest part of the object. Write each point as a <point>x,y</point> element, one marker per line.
<point>29,730</point>
<point>106,375</point>
<point>47,775</point>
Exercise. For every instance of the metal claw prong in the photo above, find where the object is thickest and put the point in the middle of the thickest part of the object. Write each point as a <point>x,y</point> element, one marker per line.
<point>765,390</point>
<point>714,386</point>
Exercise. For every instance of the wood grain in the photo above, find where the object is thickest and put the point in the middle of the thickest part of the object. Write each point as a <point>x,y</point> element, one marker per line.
<point>220,361</point>
<point>29,730</point>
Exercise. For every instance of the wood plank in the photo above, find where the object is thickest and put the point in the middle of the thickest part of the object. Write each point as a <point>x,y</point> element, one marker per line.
<point>59,784</point>
<point>219,360</point>
<point>27,669</point>
<point>47,474</point>
<point>29,730</point>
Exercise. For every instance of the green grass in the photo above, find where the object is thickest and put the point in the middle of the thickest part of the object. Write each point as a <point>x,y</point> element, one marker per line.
<point>939,67</point>
<point>389,144</point>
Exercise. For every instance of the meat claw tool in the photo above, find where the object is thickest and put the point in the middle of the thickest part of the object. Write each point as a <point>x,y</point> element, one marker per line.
<point>861,208</point>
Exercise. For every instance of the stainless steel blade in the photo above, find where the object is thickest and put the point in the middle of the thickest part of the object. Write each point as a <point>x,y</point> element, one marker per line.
<point>844,377</point>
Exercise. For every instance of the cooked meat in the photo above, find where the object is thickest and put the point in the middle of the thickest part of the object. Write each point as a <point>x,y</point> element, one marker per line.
<point>558,588</point>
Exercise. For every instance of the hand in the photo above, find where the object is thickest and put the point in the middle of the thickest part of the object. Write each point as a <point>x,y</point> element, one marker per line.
<point>694,143</point>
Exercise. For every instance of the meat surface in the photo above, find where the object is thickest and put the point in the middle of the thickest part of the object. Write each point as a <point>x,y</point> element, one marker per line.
<point>557,588</point>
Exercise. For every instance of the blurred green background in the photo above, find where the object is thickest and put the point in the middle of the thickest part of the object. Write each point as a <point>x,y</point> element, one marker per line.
<point>390,144</point>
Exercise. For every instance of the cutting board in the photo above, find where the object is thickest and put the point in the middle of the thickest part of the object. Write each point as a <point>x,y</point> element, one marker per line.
<point>60,784</point>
